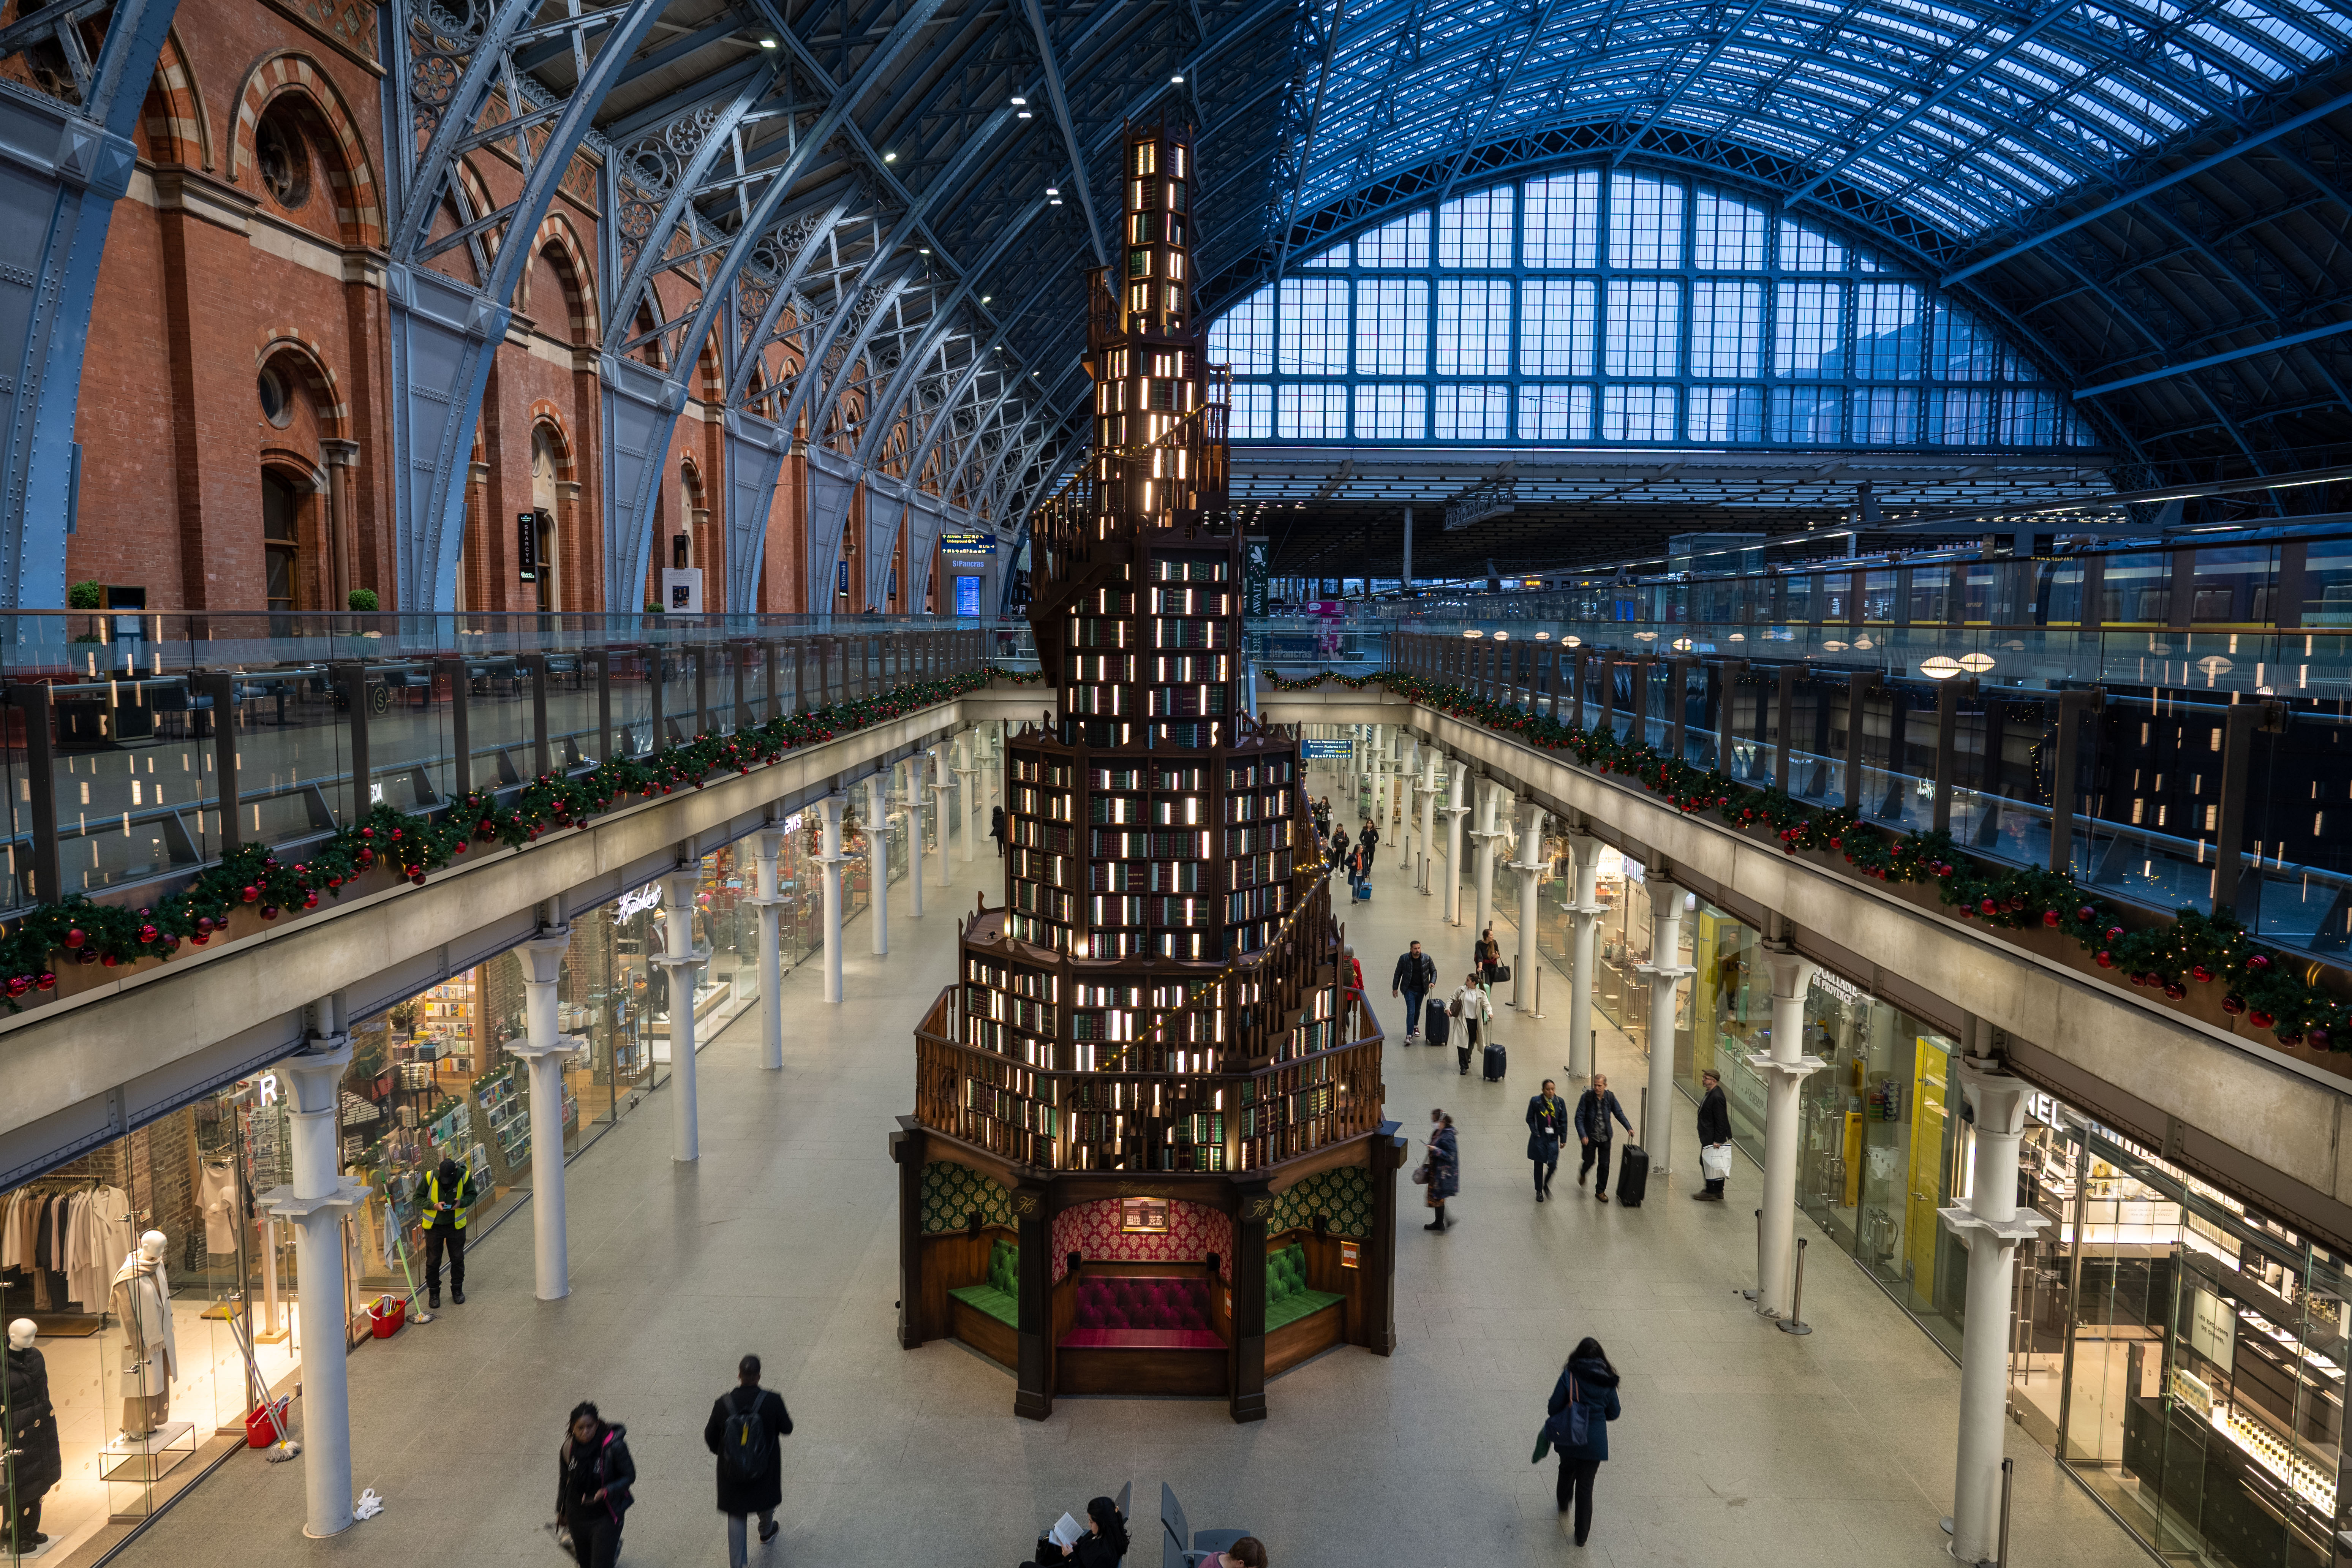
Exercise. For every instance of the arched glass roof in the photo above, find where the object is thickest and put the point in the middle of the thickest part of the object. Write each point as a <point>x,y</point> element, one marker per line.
<point>1629,306</point>
<point>1965,114</point>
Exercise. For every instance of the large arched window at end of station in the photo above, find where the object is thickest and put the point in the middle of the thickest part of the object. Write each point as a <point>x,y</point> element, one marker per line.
<point>1626,306</point>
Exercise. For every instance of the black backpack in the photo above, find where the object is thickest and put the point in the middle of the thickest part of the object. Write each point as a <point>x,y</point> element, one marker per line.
<point>743,1442</point>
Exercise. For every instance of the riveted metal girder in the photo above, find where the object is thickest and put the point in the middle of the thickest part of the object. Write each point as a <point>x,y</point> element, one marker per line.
<point>65,136</point>
<point>460,85</point>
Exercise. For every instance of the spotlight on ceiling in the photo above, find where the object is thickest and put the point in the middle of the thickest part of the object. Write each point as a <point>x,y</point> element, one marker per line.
<point>767,43</point>
<point>1177,80</point>
<point>889,157</point>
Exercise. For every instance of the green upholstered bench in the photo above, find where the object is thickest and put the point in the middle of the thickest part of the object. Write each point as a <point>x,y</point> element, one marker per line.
<point>1287,1298</point>
<point>999,1295</point>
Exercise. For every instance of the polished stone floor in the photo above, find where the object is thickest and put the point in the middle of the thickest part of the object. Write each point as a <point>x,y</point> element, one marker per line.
<point>1739,1444</point>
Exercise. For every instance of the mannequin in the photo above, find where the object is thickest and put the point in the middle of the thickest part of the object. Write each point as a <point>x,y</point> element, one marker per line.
<point>142,1299</point>
<point>32,1442</point>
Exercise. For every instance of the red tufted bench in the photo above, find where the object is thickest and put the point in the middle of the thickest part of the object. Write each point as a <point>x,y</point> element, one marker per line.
<point>1142,1312</point>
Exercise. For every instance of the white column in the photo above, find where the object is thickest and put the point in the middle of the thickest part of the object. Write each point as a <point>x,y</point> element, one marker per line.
<point>543,1050</point>
<point>1530,865</point>
<point>1584,926</point>
<point>1991,1226</point>
<point>878,857</point>
<point>1784,1069</point>
<point>944,806</point>
<point>1490,797</point>
<point>968,769</point>
<point>915,833</point>
<point>683,960</point>
<point>1428,787</point>
<point>314,1204</point>
<point>769,902</point>
<point>1406,766</point>
<point>1457,807</point>
<point>831,858</point>
<point>1665,970</point>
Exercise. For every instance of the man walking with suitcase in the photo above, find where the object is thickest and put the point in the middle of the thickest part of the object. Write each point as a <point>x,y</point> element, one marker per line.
<point>1593,1111</point>
<point>1416,971</point>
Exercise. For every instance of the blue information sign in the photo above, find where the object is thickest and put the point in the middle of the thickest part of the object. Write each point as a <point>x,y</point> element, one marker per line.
<point>1311,749</point>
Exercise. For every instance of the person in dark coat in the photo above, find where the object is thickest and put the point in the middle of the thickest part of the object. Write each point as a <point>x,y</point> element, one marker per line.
<point>1445,1165</point>
<point>1595,1108</point>
<point>1547,1124</point>
<point>1587,1379</point>
<point>1714,1130</point>
<point>1103,1544</point>
<point>750,1483</point>
<point>33,1440</point>
<point>996,828</point>
<point>597,1477</point>
<point>1414,978</point>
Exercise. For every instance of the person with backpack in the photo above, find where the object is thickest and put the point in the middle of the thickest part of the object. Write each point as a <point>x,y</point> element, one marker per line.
<point>596,1479</point>
<point>1594,1108</point>
<point>1583,1402</point>
<point>745,1430</point>
<point>1414,978</point>
<point>1472,1006</point>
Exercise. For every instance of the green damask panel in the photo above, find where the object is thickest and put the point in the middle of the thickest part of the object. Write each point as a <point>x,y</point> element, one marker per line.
<point>950,1191</point>
<point>1344,1194</point>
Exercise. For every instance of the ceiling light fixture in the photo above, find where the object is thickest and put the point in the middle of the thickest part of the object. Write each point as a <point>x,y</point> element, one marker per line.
<point>889,157</point>
<point>1019,101</point>
<point>1177,80</point>
<point>767,43</point>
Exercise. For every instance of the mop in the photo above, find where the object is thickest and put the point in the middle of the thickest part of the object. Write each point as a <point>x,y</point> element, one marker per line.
<point>286,1448</point>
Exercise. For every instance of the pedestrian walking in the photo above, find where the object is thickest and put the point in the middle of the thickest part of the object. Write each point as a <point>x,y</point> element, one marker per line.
<point>1441,1167</point>
<point>1338,848</point>
<point>1489,955</point>
<point>996,828</point>
<point>1414,977</point>
<point>1714,1139</point>
<point>746,1430</point>
<point>1547,1125</point>
<point>1472,1006</point>
<point>1368,836</point>
<point>596,1478</point>
<point>1595,1108</point>
<point>1583,1402</point>
<point>448,1193</point>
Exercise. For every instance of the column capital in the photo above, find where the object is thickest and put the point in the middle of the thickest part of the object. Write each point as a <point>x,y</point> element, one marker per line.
<point>1998,1096</point>
<point>318,1072</point>
<point>1970,1227</point>
<point>561,1045</point>
<point>1792,971</point>
<point>282,1202</point>
<point>1801,1068</point>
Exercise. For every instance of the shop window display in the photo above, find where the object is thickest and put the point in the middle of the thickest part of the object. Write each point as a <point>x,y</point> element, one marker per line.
<point>154,1299</point>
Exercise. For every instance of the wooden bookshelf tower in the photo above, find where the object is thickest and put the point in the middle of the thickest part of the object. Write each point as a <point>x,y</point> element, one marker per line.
<point>1152,1052</point>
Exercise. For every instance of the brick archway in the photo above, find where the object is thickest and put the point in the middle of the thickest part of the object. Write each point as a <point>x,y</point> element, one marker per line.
<point>359,206</point>
<point>173,120</point>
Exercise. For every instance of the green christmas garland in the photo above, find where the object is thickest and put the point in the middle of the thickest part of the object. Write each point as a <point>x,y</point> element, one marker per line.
<point>80,931</point>
<point>1352,682</point>
<point>2273,990</point>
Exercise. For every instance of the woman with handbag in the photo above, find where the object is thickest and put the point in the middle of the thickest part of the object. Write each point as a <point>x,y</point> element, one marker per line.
<point>1490,956</point>
<point>1583,1402</point>
<point>1440,1168</point>
<point>1473,1007</point>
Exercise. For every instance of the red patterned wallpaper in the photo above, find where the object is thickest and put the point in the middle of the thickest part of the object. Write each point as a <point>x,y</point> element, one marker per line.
<point>1194,1231</point>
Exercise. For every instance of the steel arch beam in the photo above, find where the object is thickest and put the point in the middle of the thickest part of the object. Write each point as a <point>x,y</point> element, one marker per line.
<point>641,405</point>
<point>444,333</point>
<point>67,165</point>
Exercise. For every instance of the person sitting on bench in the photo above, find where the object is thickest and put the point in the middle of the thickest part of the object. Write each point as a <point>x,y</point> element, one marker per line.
<point>1102,1545</point>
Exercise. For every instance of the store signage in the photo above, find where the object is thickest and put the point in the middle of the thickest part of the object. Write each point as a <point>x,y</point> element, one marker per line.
<point>1314,749</point>
<point>967,541</point>
<point>638,901</point>
<point>268,1088</point>
<point>1839,985</point>
<point>1257,554</point>
<point>527,545</point>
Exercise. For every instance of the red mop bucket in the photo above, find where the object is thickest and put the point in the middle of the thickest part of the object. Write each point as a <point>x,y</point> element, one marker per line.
<point>262,1426</point>
<point>385,1314</point>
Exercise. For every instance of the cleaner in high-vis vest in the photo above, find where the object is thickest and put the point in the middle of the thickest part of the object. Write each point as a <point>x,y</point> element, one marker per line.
<point>448,1193</point>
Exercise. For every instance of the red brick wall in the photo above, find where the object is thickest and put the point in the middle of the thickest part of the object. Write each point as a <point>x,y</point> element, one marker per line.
<point>207,276</point>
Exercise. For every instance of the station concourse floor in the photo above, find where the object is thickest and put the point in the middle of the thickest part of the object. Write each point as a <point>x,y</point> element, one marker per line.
<point>1739,1444</point>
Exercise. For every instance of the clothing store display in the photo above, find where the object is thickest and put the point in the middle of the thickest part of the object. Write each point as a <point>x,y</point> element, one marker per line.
<point>33,1434</point>
<point>143,1300</point>
<point>65,1243</point>
<point>216,1200</point>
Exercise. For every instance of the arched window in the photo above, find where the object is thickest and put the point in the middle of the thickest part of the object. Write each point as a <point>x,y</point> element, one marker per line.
<point>1602,306</point>
<point>542,504</point>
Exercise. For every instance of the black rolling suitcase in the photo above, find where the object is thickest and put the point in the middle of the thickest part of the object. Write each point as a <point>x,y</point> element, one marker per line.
<point>1435,1019</point>
<point>1494,1068</point>
<point>1633,1176</point>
